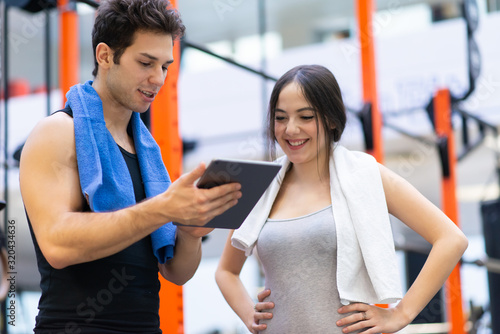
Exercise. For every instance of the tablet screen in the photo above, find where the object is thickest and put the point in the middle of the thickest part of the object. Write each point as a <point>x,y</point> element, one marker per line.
<point>254,177</point>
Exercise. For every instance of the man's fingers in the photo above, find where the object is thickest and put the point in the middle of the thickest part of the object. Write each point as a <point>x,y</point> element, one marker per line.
<point>221,192</point>
<point>225,199</point>
<point>222,208</point>
<point>195,174</point>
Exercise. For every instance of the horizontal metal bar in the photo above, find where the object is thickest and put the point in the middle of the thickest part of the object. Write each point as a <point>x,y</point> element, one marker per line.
<point>91,3</point>
<point>229,60</point>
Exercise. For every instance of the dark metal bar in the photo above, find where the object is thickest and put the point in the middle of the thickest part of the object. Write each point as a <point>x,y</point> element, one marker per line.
<point>89,2</point>
<point>470,147</point>
<point>477,119</point>
<point>465,131</point>
<point>491,264</point>
<point>483,125</point>
<point>48,68</point>
<point>5,71</point>
<point>229,60</point>
<point>408,134</point>
<point>5,76</point>
<point>263,67</point>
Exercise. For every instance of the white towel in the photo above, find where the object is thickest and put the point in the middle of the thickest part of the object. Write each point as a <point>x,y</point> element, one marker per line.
<point>367,269</point>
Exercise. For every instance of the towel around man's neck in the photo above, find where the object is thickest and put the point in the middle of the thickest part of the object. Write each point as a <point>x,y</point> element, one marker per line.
<point>367,269</point>
<point>104,177</point>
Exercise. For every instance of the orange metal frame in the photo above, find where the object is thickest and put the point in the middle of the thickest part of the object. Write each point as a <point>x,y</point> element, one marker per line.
<point>69,50</point>
<point>442,118</point>
<point>165,130</point>
<point>369,74</point>
<point>443,128</point>
<point>164,121</point>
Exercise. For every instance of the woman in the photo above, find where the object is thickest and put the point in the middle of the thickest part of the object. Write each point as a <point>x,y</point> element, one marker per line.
<point>322,229</point>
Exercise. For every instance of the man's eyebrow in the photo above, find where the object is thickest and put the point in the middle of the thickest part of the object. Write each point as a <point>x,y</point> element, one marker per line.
<point>147,55</point>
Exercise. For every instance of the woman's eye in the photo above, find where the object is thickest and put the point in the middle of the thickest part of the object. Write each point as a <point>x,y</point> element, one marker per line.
<point>144,64</point>
<point>279,118</point>
<point>307,117</point>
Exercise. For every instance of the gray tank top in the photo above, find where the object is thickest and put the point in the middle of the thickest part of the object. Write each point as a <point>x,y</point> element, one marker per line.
<point>299,259</point>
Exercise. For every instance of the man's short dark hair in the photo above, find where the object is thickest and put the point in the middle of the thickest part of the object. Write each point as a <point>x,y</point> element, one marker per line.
<point>118,20</point>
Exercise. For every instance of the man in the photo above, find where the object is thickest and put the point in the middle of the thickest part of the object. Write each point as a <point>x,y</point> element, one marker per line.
<point>84,176</point>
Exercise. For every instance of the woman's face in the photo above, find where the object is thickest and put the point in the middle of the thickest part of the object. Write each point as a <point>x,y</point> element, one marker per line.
<point>297,128</point>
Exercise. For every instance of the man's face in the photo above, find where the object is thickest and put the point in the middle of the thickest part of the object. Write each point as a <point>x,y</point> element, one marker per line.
<point>134,82</point>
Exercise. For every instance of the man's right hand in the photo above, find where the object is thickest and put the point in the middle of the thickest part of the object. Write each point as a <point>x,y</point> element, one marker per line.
<point>191,205</point>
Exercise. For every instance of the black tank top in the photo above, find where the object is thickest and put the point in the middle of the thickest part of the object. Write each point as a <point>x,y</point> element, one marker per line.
<point>116,294</point>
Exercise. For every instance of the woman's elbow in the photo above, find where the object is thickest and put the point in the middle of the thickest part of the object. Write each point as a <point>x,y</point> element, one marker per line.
<point>218,276</point>
<point>463,242</point>
<point>458,242</point>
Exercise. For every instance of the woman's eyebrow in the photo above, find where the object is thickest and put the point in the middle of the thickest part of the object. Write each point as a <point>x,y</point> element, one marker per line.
<point>298,110</point>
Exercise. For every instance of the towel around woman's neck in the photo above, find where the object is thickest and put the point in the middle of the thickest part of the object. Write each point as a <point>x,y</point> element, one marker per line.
<point>367,269</point>
<point>104,177</point>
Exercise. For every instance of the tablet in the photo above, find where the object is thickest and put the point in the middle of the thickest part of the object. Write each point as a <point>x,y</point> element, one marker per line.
<point>254,177</point>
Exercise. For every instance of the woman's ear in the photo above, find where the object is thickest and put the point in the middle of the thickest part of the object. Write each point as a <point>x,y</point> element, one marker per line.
<point>104,55</point>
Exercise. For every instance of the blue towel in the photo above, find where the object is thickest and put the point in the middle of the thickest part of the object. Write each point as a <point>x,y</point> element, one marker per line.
<point>104,176</point>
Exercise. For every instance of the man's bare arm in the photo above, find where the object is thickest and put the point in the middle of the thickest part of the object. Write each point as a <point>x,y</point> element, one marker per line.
<point>51,193</point>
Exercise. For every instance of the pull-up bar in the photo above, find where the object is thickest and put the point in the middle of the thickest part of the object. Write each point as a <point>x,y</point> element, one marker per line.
<point>228,60</point>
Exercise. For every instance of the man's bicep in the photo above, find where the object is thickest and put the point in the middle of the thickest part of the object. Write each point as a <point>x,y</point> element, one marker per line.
<point>48,173</point>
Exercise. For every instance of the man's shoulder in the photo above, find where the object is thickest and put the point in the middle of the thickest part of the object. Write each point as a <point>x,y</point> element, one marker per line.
<point>66,110</point>
<point>53,132</point>
<point>57,121</point>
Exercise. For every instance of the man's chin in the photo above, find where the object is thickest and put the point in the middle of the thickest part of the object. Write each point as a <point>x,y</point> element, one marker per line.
<point>142,110</point>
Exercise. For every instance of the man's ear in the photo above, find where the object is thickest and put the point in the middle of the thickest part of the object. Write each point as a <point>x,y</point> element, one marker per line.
<point>104,55</point>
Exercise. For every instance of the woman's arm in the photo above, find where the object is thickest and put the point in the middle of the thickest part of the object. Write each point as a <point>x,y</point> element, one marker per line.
<point>448,245</point>
<point>229,282</point>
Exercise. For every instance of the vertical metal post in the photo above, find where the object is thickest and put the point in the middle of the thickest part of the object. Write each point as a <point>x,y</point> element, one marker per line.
<point>165,130</point>
<point>490,211</point>
<point>365,9</point>
<point>263,67</point>
<point>493,5</point>
<point>48,68</point>
<point>69,48</point>
<point>444,130</point>
<point>5,77</point>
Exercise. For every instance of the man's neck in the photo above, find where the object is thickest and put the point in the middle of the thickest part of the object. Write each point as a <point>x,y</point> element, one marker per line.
<point>115,116</point>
